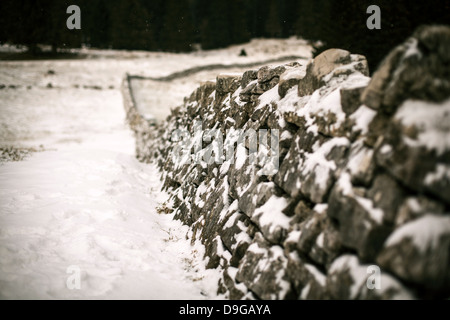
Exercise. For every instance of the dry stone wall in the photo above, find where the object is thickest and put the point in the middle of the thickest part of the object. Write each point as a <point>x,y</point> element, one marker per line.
<point>363,175</point>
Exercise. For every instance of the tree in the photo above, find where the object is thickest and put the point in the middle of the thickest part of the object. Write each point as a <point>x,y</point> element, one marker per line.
<point>177,28</point>
<point>58,36</point>
<point>157,12</point>
<point>273,25</point>
<point>130,25</point>
<point>238,23</point>
<point>174,25</point>
<point>28,23</point>
<point>96,23</point>
<point>346,27</point>
<point>215,28</point>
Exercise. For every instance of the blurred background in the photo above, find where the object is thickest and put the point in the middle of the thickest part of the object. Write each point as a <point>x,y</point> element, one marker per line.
<point>187,25</point>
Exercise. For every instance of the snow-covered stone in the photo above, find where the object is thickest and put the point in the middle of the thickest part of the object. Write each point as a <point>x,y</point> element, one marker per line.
<point>419,252</point>
<point>354,173</point>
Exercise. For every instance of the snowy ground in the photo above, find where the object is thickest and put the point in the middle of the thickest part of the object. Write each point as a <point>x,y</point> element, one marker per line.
<point>83,200</point>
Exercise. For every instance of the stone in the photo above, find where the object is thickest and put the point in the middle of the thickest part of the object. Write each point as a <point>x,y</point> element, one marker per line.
<point>238,181</point>
<point>360,224</point>
<point>419,252</point>
<point>211,211</point>
<point>318,68</point>
<point>332,243</point>
<point>262,270</point>
<point>351,99</point>
<point>387,195</point>
<point>308,281</point>
<point>262,112</point>
<point>213,253</point>
<point>266,86</point>
<point>247,92</point>
<point>310,229</point>
<point>302,211</point>
<point>240,118</point>
<point>235,291</point>
<point>415,207</point>
<point>361,164</point>
<point>226,83</point>
<point>289,175</point>
<point>317,172</point>
<point>255,196</point>
<point>415,164</point>
<point>267,73</point>
<point>289,79</point>
<point>271,219</point>
<point>391,289</point>
<point>247,77</point>
<point>295,118</point>
<point>417,69</point>
<point>236,232</point>
<point>347,280</point>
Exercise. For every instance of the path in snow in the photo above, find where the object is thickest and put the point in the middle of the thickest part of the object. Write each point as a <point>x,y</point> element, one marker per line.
<point>85,201</point>
<point>94,209</point>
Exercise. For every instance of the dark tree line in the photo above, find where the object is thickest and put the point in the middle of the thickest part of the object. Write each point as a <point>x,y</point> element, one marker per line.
<point>346,28</point>
<point>176,25</point>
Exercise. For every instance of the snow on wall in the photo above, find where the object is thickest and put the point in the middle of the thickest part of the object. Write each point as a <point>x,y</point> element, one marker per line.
<point>340,198</point>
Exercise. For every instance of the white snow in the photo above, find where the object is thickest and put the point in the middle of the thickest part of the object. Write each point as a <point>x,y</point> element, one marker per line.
<point>345,185</point>
<point>355,269</point>
<point>94,208</point>
<point>425,232</point>
<point>375,213</point>
<point>320,240</point>
<point>294,73</point>
<point>293,236</point>
<point>242,237</point>
<point>442,172</point>
<point>317,162</point>
<point>232,207</point>
<point>318,104</point>
<point>385,149</point>
<point>431,119</point>
<point>320,207</point>
<point>363,117</point>
<point>241,156</point>
<point>413,49</point>
<point>200,191</point>
<point>270,213</point>
<point>360,158</point>
<point>305,291</point>
<point>319,276</point>
<point>285,135</point>
<point>389,283</point>
<point>268,97</point>
<point>255,248</point>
